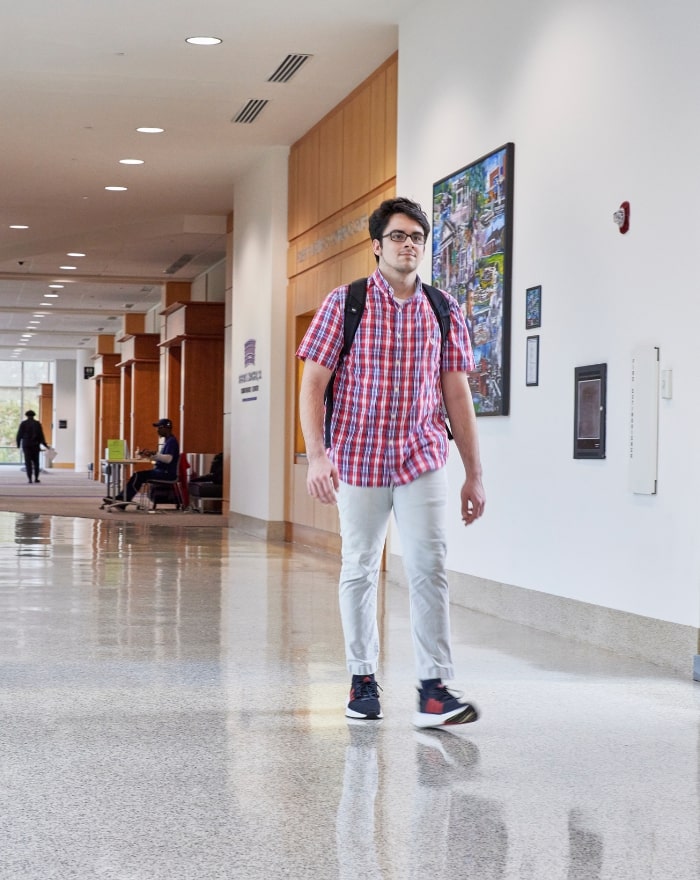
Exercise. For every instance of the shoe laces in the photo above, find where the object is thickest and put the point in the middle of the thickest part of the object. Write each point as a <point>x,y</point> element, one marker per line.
<point>442,693</point>
<point>367,689</point>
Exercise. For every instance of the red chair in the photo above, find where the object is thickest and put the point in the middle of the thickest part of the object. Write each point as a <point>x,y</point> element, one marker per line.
<point>170,491</point>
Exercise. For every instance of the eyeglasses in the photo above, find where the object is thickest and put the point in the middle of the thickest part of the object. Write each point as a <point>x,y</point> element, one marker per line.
<point>398,236</point>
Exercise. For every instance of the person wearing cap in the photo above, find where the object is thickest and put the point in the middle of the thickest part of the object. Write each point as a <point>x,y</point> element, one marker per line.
<point>165,467</point>
<point>30,436</point>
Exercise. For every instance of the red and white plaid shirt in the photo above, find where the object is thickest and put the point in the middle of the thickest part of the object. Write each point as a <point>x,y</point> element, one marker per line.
<point>388,426</point>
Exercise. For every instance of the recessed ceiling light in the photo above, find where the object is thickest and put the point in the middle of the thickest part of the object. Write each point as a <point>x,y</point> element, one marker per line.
<point>67,267</point>
<point>54,295</point>
<point>56,286</point>
<point>203,41</point>
<point>18,226</point>
<point>131,161</point>
<point>147,130</point>
<point>116,188</point>
<point>27,335</point>
<point>75,254</point>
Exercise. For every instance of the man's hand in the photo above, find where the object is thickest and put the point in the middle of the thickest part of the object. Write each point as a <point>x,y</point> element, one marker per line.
<point>473,500</point>
<point>322,480</point>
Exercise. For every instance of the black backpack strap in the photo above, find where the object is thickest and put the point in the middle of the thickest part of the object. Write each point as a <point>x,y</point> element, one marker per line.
<point>441,307</point>
<point>352,315</point>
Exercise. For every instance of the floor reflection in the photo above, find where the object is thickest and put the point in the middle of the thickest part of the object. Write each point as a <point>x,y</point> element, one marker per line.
<point>172,705</point>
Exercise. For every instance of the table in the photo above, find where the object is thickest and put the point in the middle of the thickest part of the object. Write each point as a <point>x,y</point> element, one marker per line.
<point>113,469</point>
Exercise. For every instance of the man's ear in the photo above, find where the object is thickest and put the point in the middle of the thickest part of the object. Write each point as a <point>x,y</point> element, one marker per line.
<point>376,247</point>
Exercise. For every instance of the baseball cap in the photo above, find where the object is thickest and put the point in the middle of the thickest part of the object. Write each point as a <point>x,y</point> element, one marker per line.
<point>163,423</point>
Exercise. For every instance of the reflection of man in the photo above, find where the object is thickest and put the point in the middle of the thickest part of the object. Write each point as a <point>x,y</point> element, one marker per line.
<point>30,436</point>
<point>165,464</point>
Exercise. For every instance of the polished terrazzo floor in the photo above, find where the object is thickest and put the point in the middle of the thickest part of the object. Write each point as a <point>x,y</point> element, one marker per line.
<point>172,707</point>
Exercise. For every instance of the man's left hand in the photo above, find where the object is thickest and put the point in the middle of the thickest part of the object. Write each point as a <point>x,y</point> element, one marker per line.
<point>473,500</point>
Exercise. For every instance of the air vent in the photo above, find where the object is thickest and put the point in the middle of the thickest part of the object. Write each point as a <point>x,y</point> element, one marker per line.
<point>178,264</point>
<point>128,305</point>
<point>287,69</point>
<point>251,111</point>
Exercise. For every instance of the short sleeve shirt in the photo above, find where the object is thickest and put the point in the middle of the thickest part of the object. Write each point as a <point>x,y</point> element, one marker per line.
<point>388,424</point>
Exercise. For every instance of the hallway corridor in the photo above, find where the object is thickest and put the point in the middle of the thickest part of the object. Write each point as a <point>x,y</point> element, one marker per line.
<point>172,709</point>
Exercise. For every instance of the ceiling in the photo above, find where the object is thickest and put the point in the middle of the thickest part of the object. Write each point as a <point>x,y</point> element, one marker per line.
<point>78,77</point>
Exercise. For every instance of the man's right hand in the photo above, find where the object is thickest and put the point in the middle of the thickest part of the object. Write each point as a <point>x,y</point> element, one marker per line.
<point>322,481</point>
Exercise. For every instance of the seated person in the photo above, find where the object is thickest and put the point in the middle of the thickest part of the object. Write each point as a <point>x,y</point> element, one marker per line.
<point>165,464</point>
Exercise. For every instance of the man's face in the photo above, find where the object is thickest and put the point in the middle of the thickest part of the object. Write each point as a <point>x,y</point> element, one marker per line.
<point>400,256</point>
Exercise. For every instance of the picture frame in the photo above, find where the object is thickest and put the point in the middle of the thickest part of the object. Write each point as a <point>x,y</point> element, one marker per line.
<point>590,411</point>
<point>472,248</point>
<point>532,361</point>
<point>533,307</point>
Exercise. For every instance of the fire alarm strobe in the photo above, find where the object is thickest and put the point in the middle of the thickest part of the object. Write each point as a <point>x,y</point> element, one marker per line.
<point>622,217</point>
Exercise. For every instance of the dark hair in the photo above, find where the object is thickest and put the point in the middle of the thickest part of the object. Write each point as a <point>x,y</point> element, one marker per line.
<point>381,216</point>
<point>30,414</point>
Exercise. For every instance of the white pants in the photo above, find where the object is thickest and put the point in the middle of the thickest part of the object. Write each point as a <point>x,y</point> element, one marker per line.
<point>420,511</point>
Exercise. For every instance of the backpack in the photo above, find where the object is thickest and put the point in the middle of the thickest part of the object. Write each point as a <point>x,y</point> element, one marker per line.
<point>352,315</point>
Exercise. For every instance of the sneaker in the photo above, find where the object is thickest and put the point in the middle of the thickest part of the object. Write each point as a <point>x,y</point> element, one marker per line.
<point>364,698</point>
<point>438,706</point>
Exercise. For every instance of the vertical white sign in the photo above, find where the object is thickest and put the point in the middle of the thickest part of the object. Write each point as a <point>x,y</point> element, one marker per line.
<point>644,420</point>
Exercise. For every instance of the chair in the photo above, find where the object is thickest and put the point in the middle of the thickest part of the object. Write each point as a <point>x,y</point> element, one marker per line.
<point>155,492</point>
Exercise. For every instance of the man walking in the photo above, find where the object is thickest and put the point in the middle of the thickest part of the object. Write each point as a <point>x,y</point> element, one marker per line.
<point>30,436</point>
<point>388,452</point>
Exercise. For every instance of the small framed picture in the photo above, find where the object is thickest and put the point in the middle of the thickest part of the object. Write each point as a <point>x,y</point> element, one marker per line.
<point>533,307</point>
<point>532,361</point>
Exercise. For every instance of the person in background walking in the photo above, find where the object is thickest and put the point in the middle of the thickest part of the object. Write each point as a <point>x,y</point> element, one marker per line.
<point>30,437</point>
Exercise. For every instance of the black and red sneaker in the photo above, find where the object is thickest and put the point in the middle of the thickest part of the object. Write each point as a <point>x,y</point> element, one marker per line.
<point>363,702</point>
<point>438,706</point>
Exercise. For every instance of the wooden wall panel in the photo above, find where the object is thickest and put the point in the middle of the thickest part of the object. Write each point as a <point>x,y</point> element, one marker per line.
<point>391,118</point>
<point>294,228</point>
<point>308,182</point>
<point>331,165</point>
<point>202,401</point>
<point>357,144</point>
<point>377,156</point>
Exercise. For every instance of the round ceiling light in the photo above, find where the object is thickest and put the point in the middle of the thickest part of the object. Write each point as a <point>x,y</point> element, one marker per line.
<point>203,41</point>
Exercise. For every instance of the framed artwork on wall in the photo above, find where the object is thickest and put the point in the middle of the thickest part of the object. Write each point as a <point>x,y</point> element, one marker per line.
<point>472,260</point>
<point>532,361</point>
<point>589,411</point>
<point>533,307</point>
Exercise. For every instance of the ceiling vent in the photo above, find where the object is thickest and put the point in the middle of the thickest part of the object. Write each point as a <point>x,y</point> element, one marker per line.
<point>251,111</point>
<point>287,69</point>
<point>178,264</point>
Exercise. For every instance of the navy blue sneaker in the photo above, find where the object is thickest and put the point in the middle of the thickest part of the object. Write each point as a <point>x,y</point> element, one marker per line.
<point>363,702</point>
<point>438,706</point>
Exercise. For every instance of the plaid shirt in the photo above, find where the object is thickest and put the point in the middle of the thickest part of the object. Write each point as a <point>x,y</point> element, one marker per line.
<point>388,426</point>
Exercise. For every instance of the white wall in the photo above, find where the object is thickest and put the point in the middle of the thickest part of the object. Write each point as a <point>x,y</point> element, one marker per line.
<point>258,312</point>
<point>599,100</point>
<point>84,413</point>
<point>63,439</point>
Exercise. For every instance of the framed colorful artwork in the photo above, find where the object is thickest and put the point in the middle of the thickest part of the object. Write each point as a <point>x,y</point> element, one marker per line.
<point>472,260</point>
<point>533,307</point>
